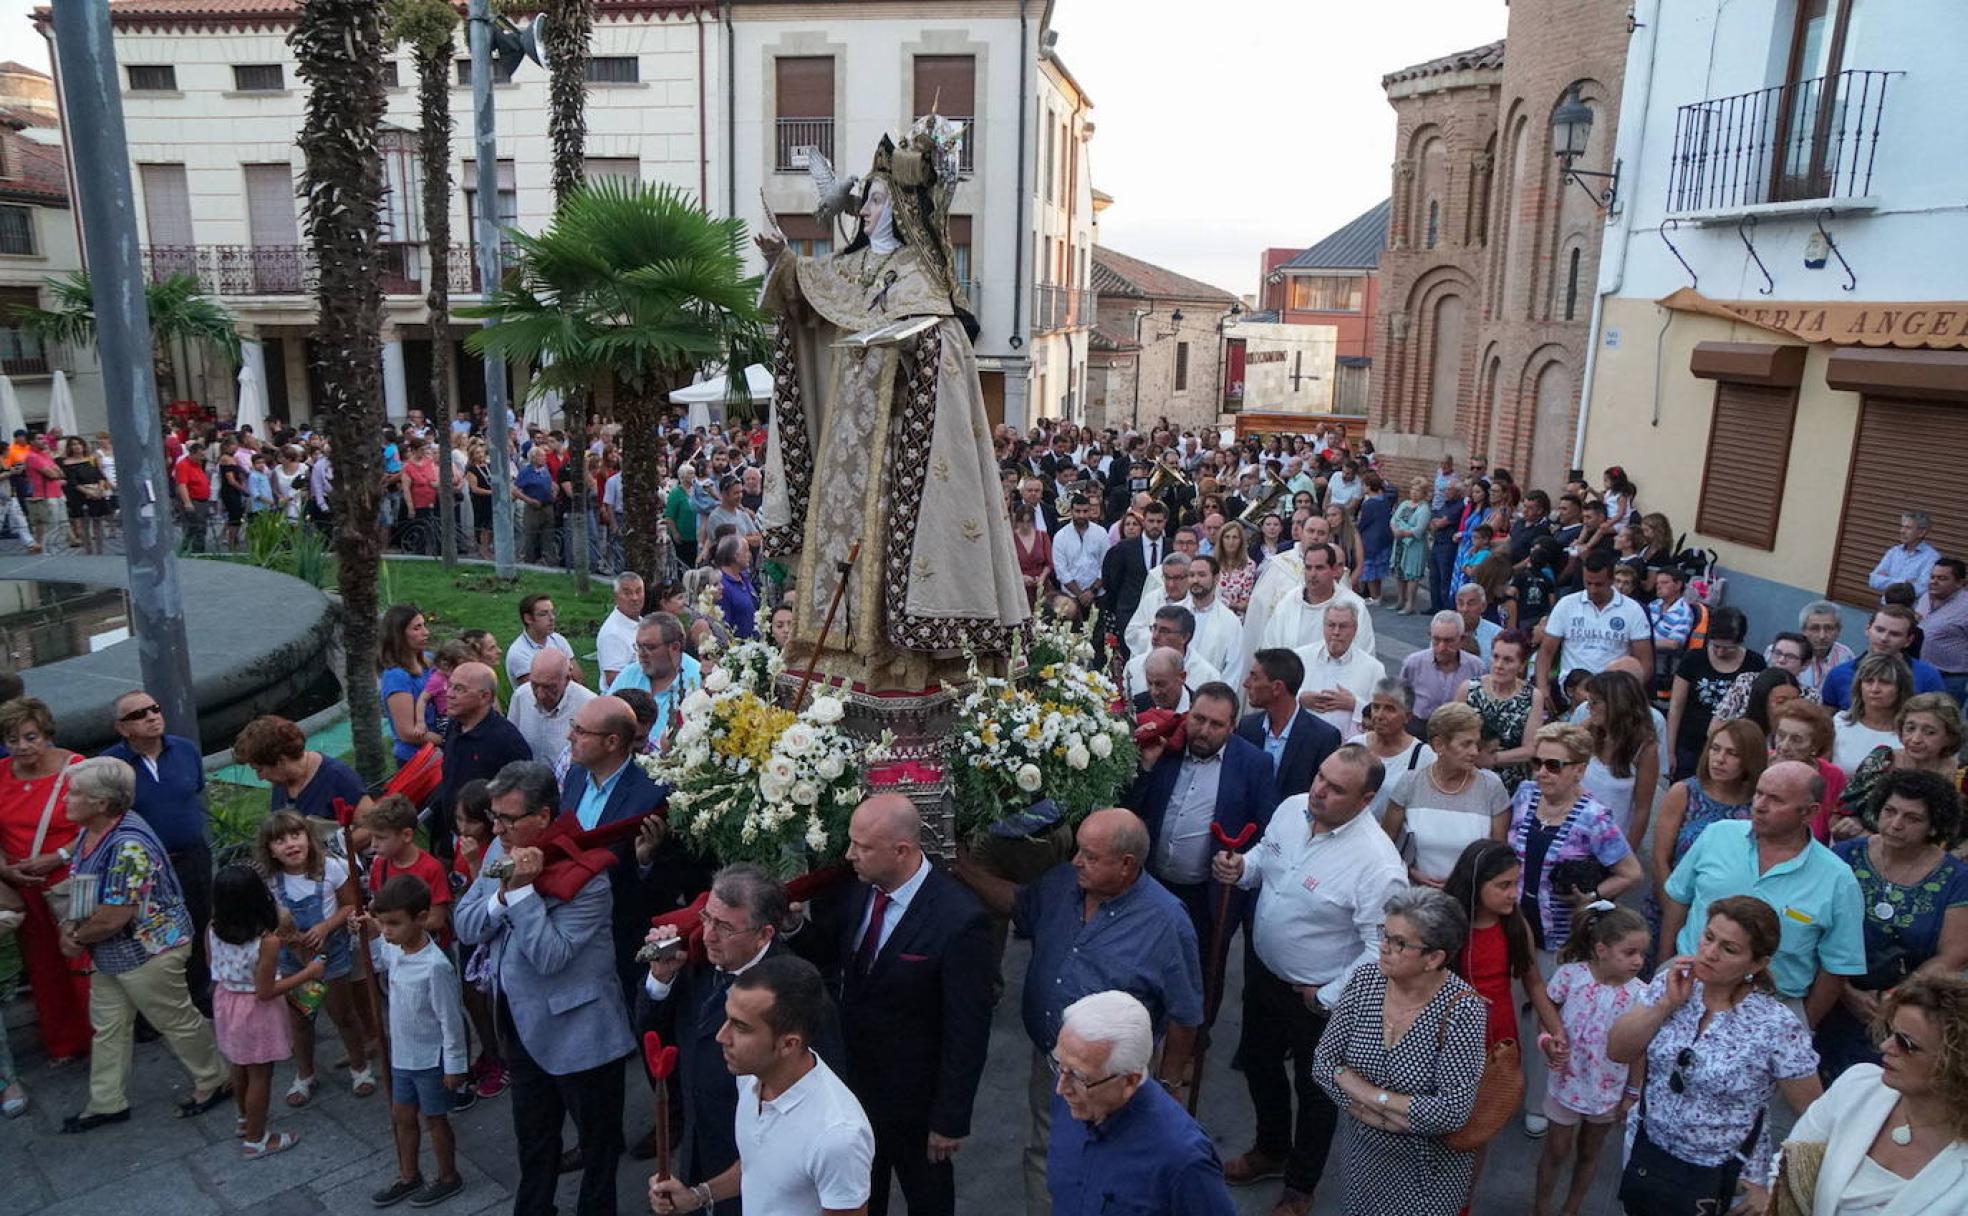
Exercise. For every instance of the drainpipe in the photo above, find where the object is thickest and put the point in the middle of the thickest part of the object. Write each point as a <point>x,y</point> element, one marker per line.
<point>1017,339</point>
<point>730,115</point>
<point>703,130</point>
<point>1645,15</point>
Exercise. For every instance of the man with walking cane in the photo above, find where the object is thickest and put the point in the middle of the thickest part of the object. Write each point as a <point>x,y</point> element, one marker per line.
<point>1322,873</point>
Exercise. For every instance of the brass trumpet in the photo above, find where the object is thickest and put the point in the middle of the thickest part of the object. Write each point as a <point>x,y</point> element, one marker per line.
<point>1165,473</point>
<point>1265,501</point>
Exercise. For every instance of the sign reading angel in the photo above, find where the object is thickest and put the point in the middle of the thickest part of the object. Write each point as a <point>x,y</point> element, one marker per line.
<point>879,434</point>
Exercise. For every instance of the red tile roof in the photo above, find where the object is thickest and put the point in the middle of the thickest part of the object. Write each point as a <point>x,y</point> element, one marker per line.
<point>227,13</point>
<point>1488,57</point>
<point>31,172</point>
<point>1117,274</point>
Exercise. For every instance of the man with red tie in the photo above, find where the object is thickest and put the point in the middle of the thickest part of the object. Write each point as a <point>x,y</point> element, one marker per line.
<point>907,952</point>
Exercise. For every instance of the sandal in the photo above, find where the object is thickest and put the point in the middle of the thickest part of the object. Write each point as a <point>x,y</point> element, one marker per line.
<point>195,1106</point>
<point>363,1081</point>
<point>301,1092</point>
<point>239,1127</point>
<point>16,1106</point>
<point>267,1146</point>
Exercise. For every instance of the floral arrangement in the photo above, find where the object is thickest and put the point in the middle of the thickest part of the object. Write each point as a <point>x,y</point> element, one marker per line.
<point>1057,737</point>
<point>753,781</point>
<point>1056,642</point>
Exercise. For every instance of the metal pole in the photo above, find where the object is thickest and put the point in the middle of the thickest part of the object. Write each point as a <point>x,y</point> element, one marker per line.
<point>485,136</point>
<point>92,120</point>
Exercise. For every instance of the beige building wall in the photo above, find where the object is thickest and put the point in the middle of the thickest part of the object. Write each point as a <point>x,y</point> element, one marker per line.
<point>1288,368</point>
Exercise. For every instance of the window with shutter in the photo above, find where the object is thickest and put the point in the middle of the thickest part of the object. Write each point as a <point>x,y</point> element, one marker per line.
<point>1181,367</point>
<point>805,88</point>
<point>1907,456</point>
<point>258,78</point>
<point>613,69</point>
<point>152,77</point>
<point>1748,453</point>
<point>947,85</point>
<point>166,204</point>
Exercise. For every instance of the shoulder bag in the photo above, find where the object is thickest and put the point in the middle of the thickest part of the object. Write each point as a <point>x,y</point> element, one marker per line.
<point>60,896</point>
<point>1657,1183</point>
<point>1498,1094</point>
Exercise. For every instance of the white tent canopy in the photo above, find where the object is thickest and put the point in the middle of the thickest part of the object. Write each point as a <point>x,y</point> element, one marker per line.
<point>252,400</point>
<point>61,405</point>
<point>11,419</point>
<point>709,392</point>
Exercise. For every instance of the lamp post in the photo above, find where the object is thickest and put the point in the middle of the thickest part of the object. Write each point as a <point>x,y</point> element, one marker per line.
<point>1571,128</point>
<point>510,45</point>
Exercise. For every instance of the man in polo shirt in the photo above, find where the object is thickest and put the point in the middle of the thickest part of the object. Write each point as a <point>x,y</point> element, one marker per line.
<point>661,669</point>
<point>1322,872</point>
<point>615,640</point>
<point>478,742</point>
<point>546,704</point>
<point>1944,624</point>
<point>537,618</point>
<point>1594,626</point>
<point>1773,857</point>
<point>804,1144</point>
<point>1890,631</point>
<point>1097,923</point>
<point>170,784</point>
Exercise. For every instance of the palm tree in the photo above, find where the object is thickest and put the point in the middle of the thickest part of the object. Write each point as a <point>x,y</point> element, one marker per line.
<point>630,289</point>
<point>178,312</point>
<point>428,26</point>
<point>568,26</point>
<point>338,46</point>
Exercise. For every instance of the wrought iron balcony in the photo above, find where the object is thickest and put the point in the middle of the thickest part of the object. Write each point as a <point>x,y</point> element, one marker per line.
<point>1055,307</point>
<point>288,270</point>
<point>796,135</point>
<point>23,362</point>
<point>1796,142</point>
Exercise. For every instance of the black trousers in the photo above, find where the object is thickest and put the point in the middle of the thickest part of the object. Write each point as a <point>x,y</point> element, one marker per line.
<point>1198,899</point>
<point>929,1188</point>
<point>193,866</point>
<point>1277,1025</point>
<point>541,1102</point>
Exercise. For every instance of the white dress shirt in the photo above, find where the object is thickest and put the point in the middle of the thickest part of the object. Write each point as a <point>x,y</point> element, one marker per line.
<point>1076,555</point>
<point>1356,671</point>
<point>898,903</point>
<point>426,1016</point>
<point>615,644</point>
<point>545,730</point>
<point>1320,895</point>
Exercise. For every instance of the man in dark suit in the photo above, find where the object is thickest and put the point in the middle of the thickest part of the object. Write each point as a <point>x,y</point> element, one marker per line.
<point>908,954</point>
<point>1297,742</point>
<point>1215,780</point>
<point>1133,563</point>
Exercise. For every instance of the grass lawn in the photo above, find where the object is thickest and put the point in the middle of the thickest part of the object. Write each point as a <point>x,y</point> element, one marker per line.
<point>471,597</point>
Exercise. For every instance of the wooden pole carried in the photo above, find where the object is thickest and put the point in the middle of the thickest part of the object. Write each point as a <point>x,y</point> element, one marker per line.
<point>827,626</point>
<point>1213,966</point>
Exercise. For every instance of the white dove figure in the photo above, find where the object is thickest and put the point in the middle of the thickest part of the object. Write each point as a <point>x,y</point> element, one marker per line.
<point>833,196</point>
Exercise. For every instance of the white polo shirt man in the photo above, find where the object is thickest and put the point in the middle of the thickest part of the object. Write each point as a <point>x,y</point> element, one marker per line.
<point>1593,636</point>
<point>809,1150</point>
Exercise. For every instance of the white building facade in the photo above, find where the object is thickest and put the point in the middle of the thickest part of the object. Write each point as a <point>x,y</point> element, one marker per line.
<point>1780,353</point>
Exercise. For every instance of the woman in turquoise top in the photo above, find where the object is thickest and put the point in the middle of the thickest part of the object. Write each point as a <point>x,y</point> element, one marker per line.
<point>402,672</point>
<point>1410,526</point>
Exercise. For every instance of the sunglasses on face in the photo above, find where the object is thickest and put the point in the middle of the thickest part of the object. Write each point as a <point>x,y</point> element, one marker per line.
<point>138,715</point>
<point>1906,1045</point>
<point>1545,764</point>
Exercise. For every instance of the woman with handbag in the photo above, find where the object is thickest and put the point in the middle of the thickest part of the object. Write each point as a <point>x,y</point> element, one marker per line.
<point>35,849</point>
<point>1890,1139</point>
<point>1408,1098</point>
<point>1717,1043</point>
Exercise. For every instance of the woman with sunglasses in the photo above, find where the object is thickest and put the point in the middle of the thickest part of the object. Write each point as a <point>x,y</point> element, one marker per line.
<point>37,842</point>
<point>1717,1042</point>
<point>1403,1055</point>
<point>1554,821</point>
<point>1894,1135</point>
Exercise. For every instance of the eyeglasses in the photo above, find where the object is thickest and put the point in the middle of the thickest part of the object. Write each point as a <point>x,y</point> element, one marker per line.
<point>138,715</point>
<point>1392,944</point>
<point>1906,1045</point>
<point>1685,1058</point>
<point>655,648</point>
<point>1074,1077</point>
<point>1545,764</point>
<point>723,928</point>
<point>508,821</point>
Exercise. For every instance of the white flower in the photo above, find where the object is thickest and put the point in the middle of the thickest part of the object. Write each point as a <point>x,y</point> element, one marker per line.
<point>697,703</point>
<point>805,792</point>
<point>718,680</point>
<point>826,710</point>
<point>797,740</point>
<point>816,833</point>
<point>772,789</point>
<point>781,770</point>
<point>1102,746</point>
<point>1028,778</point>
<point>830,767</point>
<point>1077,757</point>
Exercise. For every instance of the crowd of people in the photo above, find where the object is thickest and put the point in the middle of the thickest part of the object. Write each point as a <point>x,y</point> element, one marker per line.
<point>1466,902</point>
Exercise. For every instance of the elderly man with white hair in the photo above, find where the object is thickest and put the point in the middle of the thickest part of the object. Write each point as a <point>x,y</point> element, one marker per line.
<point>1175,629</point>
<point>615,640</point>
<point>1339,676</point>
<point>1477,631</point>
<point>1440,672</point>
<point>1127,1144</point>
<point>543,708</point>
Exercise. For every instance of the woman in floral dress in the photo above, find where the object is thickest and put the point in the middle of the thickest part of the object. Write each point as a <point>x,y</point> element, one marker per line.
<point>1512,707</point>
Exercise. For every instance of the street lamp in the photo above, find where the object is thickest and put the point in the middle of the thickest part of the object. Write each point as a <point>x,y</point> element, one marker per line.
<point>1571,128</point>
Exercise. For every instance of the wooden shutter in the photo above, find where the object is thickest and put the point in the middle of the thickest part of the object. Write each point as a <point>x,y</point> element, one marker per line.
<point>946,85</point>
<point>270,205</point>
<point>806,86</point>
<point>1748,453</point>
<point>167,204</point>
<point>1908,456</point>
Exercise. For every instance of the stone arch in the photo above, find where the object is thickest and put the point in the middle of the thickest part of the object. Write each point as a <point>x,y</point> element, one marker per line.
<point>1548,396</point>
<point>1429,154</point>
<point>1489,403</point>
<point>1442,304</point>
<point>1513,234</point>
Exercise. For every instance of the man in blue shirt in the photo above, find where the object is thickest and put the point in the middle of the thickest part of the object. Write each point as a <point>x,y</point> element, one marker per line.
<point>1889,632</point>
<point>1910,561</point>
<point>1097,923</point>
<point>533,485</point>
<point>1119,1141</point>
<point>170,785</point>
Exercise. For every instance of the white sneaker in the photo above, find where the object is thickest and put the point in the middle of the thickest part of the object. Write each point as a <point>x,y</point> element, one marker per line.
<point>1535,1125</point>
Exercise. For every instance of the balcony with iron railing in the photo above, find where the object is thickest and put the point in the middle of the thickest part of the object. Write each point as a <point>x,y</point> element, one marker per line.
<point>1802,142</point>
<point>795,136</point>
<point>233,271</point>
<point>1055,307</point>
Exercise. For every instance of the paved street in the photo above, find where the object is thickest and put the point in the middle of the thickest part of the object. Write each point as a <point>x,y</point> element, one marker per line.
<point>162,1166</point>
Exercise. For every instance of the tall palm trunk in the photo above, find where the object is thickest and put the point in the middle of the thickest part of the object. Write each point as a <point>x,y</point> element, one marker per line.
<point>639,408</point>
<point>434,144</point>
<point>338,46</point>
<point>569,25</point>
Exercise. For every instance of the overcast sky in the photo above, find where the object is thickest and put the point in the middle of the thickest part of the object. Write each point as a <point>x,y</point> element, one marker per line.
<point>1223,127</point>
